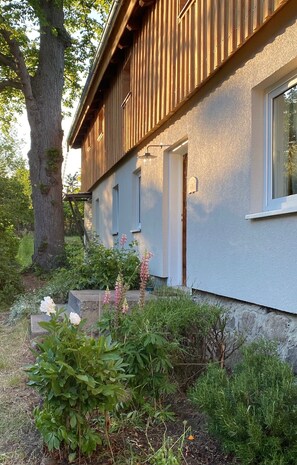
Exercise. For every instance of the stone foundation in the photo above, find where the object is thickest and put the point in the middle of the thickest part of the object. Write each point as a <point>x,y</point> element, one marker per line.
<point>258,322</point>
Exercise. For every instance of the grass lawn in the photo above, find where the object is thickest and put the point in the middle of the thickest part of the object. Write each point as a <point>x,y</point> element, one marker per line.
<point>19,440</point>
<point>26,249</point>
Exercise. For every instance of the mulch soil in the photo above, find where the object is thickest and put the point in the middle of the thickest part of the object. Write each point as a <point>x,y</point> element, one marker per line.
<point>199,448</point>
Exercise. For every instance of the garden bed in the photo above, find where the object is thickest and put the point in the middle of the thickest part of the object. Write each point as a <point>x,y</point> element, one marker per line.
<point>20,442</point>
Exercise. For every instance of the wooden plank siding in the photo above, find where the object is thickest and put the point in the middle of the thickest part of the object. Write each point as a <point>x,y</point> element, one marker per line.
<point>172,55</point>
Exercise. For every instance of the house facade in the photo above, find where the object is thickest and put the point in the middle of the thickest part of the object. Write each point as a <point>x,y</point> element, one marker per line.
<point>207,89</point>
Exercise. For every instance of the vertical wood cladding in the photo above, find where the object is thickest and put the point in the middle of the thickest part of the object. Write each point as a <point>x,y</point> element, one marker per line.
<point>179,45</point>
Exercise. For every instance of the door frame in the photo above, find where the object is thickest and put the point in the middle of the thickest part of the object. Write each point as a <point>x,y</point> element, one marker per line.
<point>175,191</point>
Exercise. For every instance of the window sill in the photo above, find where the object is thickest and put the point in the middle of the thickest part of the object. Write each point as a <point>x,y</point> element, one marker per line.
<point>133,231</point>
<point>267,214</point>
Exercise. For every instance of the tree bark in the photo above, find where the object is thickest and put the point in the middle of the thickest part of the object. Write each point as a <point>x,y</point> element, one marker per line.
<point>45,155</point>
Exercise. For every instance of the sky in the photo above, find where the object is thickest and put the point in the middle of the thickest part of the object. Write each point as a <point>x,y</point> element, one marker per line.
<point>72,159</point>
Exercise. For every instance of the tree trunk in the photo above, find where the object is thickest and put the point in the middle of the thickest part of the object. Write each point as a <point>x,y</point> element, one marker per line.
<point>45,155</point>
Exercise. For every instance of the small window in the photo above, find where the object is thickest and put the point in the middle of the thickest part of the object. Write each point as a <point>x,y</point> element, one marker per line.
<point>136,200</point>
<point>115,210</point>
<point>282,146</point>
<point>97,216</point>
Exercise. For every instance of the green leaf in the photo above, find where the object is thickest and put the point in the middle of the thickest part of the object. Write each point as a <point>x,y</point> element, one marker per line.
<point>87,379</point>
<point>72,457</point>
<point>73,421</point>
<point>109,356</point>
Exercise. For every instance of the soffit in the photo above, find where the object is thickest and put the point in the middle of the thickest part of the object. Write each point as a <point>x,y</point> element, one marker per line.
<point>109,55</point>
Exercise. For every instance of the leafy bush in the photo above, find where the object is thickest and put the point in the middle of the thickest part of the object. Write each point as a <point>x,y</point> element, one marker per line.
<point>10,282</point>
<point>78,378</point>
<point>146,353</point>
<point>199,329</point>
<point>97,267</point>
<point>165,340</point>
<point>253,411</point>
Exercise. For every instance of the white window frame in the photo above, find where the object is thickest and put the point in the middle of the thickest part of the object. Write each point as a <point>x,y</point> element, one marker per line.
<point>136,201</point>
<point>115,209</point>
<point>288,203</point>
<point>97,216</point>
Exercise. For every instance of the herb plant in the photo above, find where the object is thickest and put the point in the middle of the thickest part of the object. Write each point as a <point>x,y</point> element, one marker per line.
<point>254,411</point>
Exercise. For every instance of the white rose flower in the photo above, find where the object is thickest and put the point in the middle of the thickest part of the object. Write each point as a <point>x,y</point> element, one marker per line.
<point>48,306</point>
<point>74,318</point>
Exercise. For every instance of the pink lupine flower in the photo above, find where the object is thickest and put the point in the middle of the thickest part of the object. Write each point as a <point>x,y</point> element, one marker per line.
<point>125,307</point>
<point>120,301</point>
<point>144,276</point>
<point>118,291</point>
<point>144,267</point>
<point>107,297</point>
<point>123,240</point>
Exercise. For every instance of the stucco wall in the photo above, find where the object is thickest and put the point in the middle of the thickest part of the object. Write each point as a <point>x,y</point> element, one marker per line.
<point>250,260</point>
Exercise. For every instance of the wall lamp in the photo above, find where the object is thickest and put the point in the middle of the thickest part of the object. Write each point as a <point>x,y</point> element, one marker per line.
<point>148,157</point>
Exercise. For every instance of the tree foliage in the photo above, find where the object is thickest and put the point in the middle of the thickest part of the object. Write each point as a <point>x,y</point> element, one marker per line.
<point>15,189</point>
<point>15,214</point>
<point>45,49</point>
<point>21,23</point>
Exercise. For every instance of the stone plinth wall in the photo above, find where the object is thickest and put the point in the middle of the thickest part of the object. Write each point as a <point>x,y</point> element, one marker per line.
<point>258,322</point>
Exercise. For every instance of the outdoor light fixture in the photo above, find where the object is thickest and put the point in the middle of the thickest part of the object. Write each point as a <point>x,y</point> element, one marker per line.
<point>148,157</point>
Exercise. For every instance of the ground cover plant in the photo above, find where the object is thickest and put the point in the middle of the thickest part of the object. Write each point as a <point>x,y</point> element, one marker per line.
<point>254,411</point>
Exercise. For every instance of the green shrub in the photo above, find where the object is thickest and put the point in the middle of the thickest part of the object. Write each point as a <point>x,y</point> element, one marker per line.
<point>253,411</point>
<point>199,329</point>
<point>97,267</point>
<point>164,342</point>
<point>79,378</point>
<point>146,353</point>
<point>10,282</point>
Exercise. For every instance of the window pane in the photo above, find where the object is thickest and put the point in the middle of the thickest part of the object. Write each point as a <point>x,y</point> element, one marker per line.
<point>115,209</point>
<point>284,144</point>
<point>137,200</point>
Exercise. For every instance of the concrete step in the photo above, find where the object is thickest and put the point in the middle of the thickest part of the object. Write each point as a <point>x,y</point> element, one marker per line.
<point>88,304</point>
<point>35,328</point>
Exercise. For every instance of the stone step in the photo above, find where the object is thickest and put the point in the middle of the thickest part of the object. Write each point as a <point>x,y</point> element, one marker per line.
<point>88,304</point>
<point>35,328</point>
